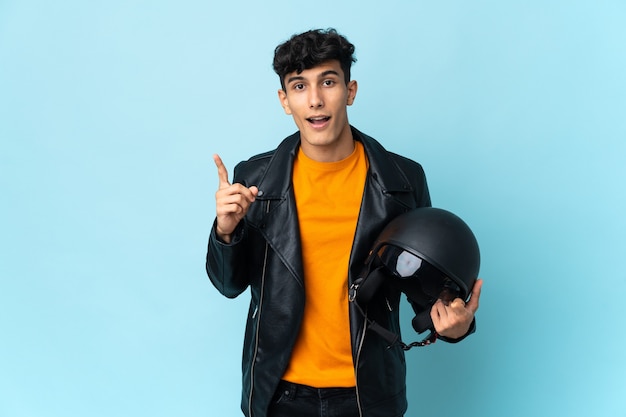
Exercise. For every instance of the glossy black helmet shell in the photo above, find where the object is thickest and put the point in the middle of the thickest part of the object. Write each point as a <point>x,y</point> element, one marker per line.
<point>440,238</point>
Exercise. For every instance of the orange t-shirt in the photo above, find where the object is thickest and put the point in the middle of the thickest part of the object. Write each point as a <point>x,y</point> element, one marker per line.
<point>328,198</point>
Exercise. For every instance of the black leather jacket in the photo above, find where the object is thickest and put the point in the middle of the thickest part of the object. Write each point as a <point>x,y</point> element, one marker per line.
<point>265,255</point>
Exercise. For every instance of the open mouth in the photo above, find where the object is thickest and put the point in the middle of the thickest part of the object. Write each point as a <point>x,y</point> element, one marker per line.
<point>318,121</point>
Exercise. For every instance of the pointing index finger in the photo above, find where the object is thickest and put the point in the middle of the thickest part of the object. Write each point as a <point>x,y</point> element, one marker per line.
<point>222,173</point>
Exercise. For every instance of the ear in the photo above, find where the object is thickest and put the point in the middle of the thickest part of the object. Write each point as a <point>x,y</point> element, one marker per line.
<point>352,88</point>
<point>284,101</point>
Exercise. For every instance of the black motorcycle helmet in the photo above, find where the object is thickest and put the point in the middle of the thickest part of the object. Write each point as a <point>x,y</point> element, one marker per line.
<point>427,253</point>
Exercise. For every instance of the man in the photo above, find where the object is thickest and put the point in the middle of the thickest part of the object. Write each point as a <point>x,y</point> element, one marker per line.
<point>296,225</point>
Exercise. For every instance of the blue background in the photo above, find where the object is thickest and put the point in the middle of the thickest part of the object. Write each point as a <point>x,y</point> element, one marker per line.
<point>109,115</point>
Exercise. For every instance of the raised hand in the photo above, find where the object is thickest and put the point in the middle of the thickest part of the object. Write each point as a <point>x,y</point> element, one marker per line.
<point>231,202</point>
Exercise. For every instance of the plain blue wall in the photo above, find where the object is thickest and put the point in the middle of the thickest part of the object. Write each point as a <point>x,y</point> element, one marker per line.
<point>109,115</point>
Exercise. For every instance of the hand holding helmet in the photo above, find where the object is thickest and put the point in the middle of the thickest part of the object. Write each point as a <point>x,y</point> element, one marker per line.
<point>454,319</point>
<point>432,256</point>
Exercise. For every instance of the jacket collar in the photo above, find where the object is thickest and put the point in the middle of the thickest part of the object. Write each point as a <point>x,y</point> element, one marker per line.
<point>276,181</point>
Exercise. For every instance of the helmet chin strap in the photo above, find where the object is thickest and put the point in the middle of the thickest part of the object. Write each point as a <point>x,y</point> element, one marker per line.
<point>364,287</point>
<point>394,339</point>
<point>363,290</point>
<point>422,322</point>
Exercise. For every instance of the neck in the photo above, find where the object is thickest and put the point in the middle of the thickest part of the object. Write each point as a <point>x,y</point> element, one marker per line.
<point>332,152</point>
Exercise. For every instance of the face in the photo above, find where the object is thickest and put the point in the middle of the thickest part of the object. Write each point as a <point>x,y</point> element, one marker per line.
<point>318,100</point>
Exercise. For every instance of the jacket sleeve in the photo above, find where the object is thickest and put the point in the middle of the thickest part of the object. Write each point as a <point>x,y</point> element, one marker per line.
<point>471,330</point>
<point>223,265</point>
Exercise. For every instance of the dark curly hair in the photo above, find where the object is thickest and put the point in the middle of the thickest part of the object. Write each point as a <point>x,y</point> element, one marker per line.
<point>311,48</point>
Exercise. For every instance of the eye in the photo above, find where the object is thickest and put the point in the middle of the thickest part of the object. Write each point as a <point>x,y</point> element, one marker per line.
<point>328,83</point>
<point>298,86</point>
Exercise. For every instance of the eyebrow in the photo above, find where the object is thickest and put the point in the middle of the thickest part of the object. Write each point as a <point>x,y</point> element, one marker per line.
<point>329,72</point>
<point>322,75</point>
<point>295,78</point>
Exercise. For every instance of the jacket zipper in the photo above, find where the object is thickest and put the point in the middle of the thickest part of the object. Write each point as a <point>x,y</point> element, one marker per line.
<point>358,358</point>
<point>356,367</point>
<point>257,312</point>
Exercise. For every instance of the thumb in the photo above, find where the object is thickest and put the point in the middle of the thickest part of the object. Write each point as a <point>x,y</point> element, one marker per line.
<point>473,302</point>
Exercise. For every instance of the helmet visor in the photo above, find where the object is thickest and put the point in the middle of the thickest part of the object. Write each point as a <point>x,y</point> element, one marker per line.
<point>416,277</point>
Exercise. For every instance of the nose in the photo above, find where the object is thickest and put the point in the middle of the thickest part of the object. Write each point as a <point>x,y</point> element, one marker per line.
<point>315,98</point>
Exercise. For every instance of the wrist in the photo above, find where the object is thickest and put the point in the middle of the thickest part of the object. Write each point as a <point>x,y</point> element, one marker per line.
<point>224,237</point>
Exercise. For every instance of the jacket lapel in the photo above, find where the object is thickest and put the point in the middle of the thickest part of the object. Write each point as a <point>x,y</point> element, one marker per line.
<point>387,194</point>
<point>279,215</point>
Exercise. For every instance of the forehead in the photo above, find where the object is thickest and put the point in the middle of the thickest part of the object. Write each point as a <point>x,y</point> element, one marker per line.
<point>325,69</point>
